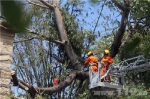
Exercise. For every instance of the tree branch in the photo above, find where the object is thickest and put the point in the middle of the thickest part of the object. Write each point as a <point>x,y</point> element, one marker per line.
<point>50,90</point>
<point>100,14</point>
<point>121,7</point>
<point>129,35</point>
<point>119,35</point>
<point>63,35</point>
<point>14,78</point>
<point>126,39</point>
<point>26,39</point>
<point>47,4</point>
<point>47,38</point>
<point>30,2</point>
<point>2,17</point>
<point>79,87</point>
<point>57,58</point>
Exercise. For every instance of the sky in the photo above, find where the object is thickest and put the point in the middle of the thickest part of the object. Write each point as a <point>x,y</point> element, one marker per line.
<point>94,9</point>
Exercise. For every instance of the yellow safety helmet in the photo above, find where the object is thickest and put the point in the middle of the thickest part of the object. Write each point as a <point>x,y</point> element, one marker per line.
<point>89,53</point>
<point>106,51</point>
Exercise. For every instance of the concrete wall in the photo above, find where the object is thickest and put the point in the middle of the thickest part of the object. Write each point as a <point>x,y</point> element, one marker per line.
<point>6,48</point>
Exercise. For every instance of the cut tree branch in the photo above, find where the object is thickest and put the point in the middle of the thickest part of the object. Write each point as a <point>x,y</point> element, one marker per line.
<point>50,90</point>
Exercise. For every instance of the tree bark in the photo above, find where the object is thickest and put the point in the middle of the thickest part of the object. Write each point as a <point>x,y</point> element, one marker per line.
<point>63,35</point>
<point>50,90</point>
<point>120,33</point>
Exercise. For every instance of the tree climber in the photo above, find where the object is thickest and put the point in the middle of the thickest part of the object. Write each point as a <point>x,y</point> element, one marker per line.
<point>56,81</point>
<point>92,61</point>
<point>106,61</point>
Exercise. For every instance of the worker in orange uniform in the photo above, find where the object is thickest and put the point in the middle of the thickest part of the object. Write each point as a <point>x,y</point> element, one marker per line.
<point>92,61</point>
<point>106,61</point>
<point>56,81</point>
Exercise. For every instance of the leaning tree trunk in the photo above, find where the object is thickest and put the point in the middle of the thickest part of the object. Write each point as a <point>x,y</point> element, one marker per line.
<point>63,35</point>
<point>6,47</point>
<point>121,30</point>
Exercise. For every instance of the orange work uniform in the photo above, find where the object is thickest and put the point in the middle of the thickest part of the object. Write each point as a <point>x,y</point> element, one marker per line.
<point>92,60</point>
<point>106,61</point>
<point>56,82</point>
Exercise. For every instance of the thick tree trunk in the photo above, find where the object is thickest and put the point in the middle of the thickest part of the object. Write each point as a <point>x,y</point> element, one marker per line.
<point>63,35</point>
<point>120,33</point>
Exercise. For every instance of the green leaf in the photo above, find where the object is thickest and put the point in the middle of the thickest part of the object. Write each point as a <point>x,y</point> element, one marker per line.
<point>133,44</point>
<point>141,9</point>
<point>147,51</point>
<point>13,12</point>
<point>93,1</point>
